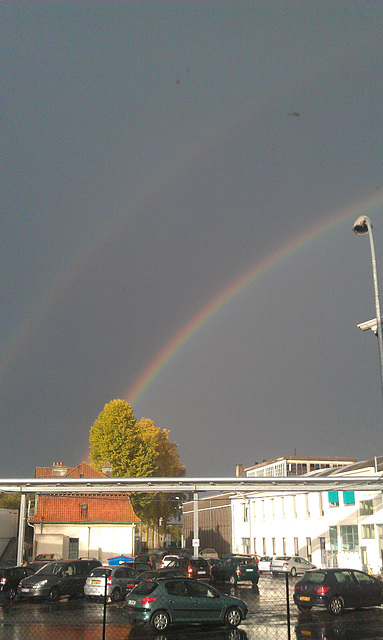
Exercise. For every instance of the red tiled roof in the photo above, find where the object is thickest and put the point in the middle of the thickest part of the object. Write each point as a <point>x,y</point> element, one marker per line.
<point>83,470</point>
<point>100,507</point>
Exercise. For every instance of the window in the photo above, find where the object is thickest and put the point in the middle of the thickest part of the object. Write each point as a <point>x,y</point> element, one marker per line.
<point>321,512</point>
<point>366,507</point>
<point>264,546</point>
<point>348,497</point>
<point>284,546</point>
<point>296,547</point>
<point>245,512</point>
<point>333,533</point>
<point>349,536</point>
<point>368,531</point>
<point>246,545</point>
<point>73,548</point>
<point>333,498</point>
<point>307,505</point>
<point>274,547</point>
<point>308,548</point>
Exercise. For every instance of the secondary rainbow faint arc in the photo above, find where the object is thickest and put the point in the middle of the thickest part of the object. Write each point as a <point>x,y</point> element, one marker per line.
<point>185,334</point>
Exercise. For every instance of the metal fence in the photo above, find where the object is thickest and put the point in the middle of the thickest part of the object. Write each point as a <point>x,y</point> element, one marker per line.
<point>271,616</point>
<point>78,618</point>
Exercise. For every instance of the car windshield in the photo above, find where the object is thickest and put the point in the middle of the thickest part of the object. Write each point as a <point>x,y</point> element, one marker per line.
<point>144,588</point>
<point>100,572</point>
<point>283,558</point>
<point>314,577</point>
<point>51,569</point>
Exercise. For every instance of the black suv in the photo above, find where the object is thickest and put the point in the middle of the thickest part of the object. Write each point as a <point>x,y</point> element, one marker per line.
<point>10,578</point>
<point>55,579</point>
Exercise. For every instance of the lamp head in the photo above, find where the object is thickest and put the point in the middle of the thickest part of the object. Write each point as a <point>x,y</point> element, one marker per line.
<point>360,225</point>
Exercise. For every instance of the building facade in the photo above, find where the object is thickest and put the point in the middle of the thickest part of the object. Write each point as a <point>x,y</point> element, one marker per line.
<point>329,528</point>
<point>214,523</point>
<point>98,525</point>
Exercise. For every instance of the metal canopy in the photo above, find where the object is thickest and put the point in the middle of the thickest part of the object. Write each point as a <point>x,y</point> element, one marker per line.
<point>176,485</point>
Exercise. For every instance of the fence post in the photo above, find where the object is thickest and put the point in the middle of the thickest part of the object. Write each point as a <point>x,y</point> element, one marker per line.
<point>104,612</point>
<point>288,606</point>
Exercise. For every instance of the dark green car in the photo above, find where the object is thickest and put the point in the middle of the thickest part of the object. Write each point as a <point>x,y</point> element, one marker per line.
<point>168,601</point>
<point>236,569</point>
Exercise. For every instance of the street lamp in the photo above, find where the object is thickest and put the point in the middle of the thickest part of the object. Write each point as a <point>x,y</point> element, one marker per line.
<point>363,226</point>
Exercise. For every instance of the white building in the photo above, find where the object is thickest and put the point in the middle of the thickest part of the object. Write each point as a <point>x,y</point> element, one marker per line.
<point>330,528</point>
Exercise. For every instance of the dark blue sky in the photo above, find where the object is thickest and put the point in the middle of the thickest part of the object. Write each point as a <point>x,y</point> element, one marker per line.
<point>154,152</point>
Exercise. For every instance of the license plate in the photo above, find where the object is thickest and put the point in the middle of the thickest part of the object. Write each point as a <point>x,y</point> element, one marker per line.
<point>96,581</point>
<point>248,569</point>
<point>201,573</point>
<point>131,602</point>
<point>25,590</point>
<point>305,598</point>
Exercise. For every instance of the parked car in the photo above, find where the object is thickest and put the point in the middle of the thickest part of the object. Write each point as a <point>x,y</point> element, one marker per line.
<point>144,558</point>
<point>55,579</point>
<point>197,568</point>
<point>208,553</point>
<point>119,580</point>
<point>10,578</point>
<point>264,564</point>
<point>337,589</point>
<point>159,573</point>
<point>138,566</point>
<point>290,564</point>
<point>236,569</point>
<point>47,557</point>
<point>167,560</point>
<point>166,601</point>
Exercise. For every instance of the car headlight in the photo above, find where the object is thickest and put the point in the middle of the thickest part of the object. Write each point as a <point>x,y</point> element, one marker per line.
<point>40,584</point>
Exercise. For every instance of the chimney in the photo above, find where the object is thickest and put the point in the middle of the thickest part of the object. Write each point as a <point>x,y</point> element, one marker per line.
<point>107,469</point>
<point>239,471</point>
<point>59,470</point>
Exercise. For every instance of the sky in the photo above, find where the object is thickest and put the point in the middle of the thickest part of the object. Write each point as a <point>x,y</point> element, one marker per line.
<point>179,183</point>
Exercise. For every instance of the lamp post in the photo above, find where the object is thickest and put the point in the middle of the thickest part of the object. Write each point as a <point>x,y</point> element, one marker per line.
<point>363,226</point>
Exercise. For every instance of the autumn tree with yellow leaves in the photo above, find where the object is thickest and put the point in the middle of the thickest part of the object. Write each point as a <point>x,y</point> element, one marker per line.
<point>136,449</point>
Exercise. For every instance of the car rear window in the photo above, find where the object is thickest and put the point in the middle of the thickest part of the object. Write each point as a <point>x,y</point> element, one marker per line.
<point>100,572</point>
<point>199,563</point>
<point>145,588</point>
<point>314,577</point>
<point>246,562</point>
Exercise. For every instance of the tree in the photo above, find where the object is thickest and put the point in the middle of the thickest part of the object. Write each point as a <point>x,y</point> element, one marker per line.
<point>136,449</point>
<point>10,501</point>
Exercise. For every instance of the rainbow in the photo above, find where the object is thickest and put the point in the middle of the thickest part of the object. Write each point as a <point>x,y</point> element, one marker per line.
<point>186,333</point>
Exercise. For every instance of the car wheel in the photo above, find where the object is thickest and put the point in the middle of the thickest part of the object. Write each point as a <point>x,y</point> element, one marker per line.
<point>233,617</point>
<point>160,621</point>
<point>335,606</point>
<point>233,579</point>
<point>115,595</point>
<point>12,593</point>
<point>304,608</point>
<point>293,571</point>
<point>54,594</point>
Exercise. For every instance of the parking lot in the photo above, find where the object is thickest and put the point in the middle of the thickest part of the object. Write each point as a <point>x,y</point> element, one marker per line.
<point>78,619</point>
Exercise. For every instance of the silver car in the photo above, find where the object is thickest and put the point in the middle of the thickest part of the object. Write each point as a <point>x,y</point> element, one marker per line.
<point>119,581</point>
<point>290,564</point>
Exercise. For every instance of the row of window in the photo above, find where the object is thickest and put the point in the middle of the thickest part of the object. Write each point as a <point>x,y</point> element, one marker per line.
<point>366,507</point>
